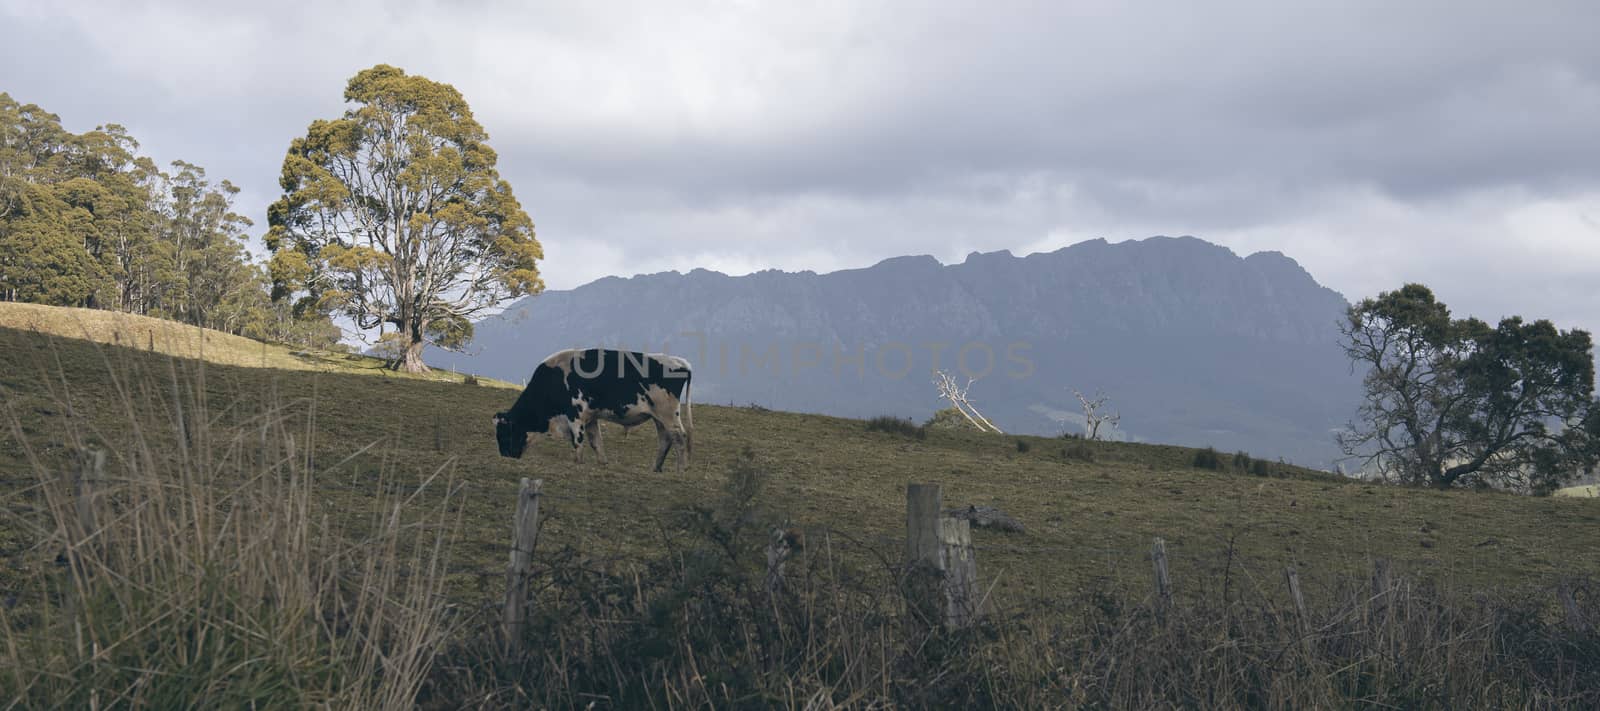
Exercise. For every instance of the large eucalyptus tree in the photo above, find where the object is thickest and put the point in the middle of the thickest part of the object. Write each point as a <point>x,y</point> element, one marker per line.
<point>395,216</point>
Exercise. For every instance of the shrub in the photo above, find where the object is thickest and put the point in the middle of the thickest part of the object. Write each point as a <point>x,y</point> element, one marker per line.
<point>1022,446</point>
<point>470,379</point>
<point>1207,459</point>
<point>1241,461</point>
<point>949,419</point>
<point>897,426</point>
<point>1260,468</point>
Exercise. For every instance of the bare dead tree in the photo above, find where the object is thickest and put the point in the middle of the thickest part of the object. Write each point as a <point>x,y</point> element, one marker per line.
<point>1093,417</point>
<point>957,395</point>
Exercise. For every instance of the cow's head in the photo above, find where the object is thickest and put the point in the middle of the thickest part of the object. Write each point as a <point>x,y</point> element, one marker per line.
<point>511,434</point>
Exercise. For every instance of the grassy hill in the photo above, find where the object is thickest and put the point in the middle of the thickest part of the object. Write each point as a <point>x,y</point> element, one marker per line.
<point>192,342</point>
<point>1090,508</point>
<point>386,469</point>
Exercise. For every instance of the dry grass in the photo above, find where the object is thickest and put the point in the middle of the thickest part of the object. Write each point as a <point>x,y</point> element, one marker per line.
<point>192,342</point>
<point>191,561</point>
<point>287,544</point>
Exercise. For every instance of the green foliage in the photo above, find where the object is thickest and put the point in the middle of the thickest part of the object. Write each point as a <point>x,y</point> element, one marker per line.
<point>950,419</point>
<point>1023,446</point>
<point>1207,459</point>
<point>897,426</point>
<point>1260,467</point>
<point>1456,401</point>
<point>85,221</point>
<point>394,214</point>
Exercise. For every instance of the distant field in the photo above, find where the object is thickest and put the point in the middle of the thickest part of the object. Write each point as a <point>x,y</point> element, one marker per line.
<point>1089,523</point>
<point>176,339</point>
<point>1580,491</point>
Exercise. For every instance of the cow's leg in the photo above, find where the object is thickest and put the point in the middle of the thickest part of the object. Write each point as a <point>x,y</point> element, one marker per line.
<point>592,431</point>
<point>663,443</point>
<point>680,438</point>
<point>575,436</point>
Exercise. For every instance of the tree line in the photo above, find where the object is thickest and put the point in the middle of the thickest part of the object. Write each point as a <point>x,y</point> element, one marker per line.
<point>87,221</point>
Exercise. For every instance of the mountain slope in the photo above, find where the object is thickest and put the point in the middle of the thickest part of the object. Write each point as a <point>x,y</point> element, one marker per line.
<point>1194,344</point>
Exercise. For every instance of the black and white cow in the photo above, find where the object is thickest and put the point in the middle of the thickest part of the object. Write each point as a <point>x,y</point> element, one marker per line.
<point>573,390</point>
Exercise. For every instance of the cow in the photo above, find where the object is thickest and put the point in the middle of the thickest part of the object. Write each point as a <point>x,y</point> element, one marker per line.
<point>572,391</point>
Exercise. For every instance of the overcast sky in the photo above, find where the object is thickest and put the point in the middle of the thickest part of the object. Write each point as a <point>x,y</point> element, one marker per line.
<point>1453,143</point>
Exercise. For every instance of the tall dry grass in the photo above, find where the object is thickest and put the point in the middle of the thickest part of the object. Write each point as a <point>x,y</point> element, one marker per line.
<point>212,561</point>
<point>708,625</point>
<point>200,565</point>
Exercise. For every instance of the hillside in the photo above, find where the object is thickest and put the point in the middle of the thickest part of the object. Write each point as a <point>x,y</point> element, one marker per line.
<point>1090,512</point>
<point>185,341</point>
<point>1194,344</point>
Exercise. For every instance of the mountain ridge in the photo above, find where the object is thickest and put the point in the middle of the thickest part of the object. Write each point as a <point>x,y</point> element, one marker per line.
<point>1194,344</point>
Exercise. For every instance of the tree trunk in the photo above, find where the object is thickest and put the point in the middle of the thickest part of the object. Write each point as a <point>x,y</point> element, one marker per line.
<point>411,361</point>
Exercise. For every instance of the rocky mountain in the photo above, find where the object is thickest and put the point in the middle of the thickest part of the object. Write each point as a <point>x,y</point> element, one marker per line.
<point>1193,344</point>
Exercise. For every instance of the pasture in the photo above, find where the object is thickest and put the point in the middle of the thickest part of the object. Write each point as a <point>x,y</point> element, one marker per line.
<point>366,443</point>
<point>1086,520</point>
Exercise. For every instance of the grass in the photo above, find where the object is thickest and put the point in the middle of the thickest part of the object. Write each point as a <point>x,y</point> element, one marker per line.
<point>185,341</point>
<point>1094,510</point>
<point>372,455</point>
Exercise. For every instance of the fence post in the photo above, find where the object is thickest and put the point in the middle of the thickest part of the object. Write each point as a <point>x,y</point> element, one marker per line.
<point>1299,600</point>
<point>1382,585</point>
<point>924,559</point>
<point>525,533</point>
<point>778,551</point>
<point>1158,560</point>
<point>960,570</point>
<point>1569,605</point>
<point>941,565</point>
<point>92,470</point>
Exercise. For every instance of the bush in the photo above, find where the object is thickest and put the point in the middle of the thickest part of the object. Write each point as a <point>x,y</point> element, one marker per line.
<point>1023,446</point>
<point>950,419</point>
<point>470,379</point>
<point>897,426</point>
<point>1207,459</point>
<point>1261,468</point>
<point>1241,461</point>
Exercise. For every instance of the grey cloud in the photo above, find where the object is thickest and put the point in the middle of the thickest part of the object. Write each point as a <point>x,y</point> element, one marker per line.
<point>1360,138</point>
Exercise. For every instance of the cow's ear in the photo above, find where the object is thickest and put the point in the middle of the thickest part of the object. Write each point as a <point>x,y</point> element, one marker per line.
<point>499,418</point>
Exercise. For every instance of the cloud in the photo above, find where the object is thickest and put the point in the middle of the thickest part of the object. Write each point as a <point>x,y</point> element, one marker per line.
<point>1443,142</point>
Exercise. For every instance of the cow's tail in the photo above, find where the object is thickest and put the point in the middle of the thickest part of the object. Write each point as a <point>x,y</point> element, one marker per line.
<point>688,419</point>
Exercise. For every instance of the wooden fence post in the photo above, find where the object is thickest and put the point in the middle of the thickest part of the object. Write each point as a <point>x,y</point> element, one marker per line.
<point>960,571</point>
<point>1158,560</point>
<point>91,471</point>
<point>941,565</point>
<point>1569,605</point>
<point>1302,620</point>
<point>525,533</point>
<point>1299,600</point>
<point>924,555</point>
<point>778,550</point>
<point>1382,586</point>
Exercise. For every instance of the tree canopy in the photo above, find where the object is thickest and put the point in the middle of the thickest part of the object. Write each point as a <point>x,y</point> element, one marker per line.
<point>395,216</point>
<point>1454,401</point>
<point>86,221</point>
